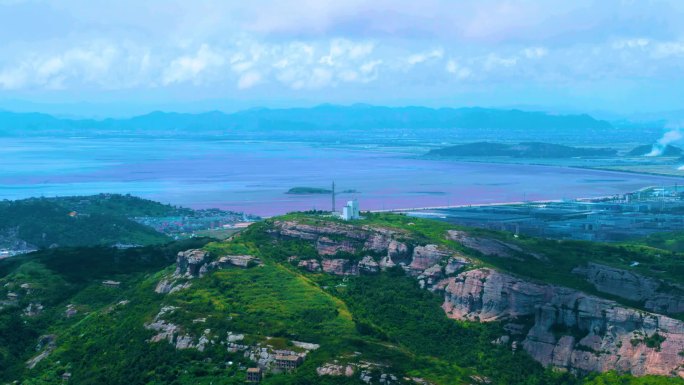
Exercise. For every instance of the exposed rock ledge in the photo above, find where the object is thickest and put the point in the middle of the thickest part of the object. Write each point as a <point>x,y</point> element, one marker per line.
<point>571,330</point>
<point>195,263</point>
<point>654,294</point>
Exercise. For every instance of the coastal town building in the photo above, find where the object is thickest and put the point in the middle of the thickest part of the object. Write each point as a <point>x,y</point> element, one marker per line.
<point>112,284</point>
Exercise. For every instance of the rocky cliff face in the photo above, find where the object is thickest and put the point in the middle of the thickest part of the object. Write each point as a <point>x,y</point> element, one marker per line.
<point>652,293</point>
<point>571,330</point>
<point>339,267</point>
<point>389,247</point>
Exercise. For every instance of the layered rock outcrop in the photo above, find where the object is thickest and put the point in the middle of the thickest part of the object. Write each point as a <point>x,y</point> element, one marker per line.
<point>195,263</point>
<point>327,246</point>
<point>571,329</point>
<point>189,263</point>
<point>426,256</point>
<point>339,267</point>
<point>368,265</point>
<point>388,248</point>
<point>311,265</point>
<point>331,238</point>
<point>626,284</point>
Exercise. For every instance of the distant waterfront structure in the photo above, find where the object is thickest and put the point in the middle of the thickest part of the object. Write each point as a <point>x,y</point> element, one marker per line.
<point>351,210</point>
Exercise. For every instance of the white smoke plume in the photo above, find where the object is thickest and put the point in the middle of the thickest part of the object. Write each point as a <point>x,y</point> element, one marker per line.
<point>669,137</point>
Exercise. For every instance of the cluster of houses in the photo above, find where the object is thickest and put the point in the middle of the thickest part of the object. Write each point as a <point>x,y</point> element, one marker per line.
<point>283,363</point>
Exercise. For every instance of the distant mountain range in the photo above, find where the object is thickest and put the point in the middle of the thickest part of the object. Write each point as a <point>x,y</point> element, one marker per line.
<point>321,117</point>
<point>356,124</point>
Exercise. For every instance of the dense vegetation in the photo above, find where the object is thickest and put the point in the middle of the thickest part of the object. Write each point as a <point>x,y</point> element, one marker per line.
<point>43,223</point>
<point>119,205</point>
<point>59,277</point>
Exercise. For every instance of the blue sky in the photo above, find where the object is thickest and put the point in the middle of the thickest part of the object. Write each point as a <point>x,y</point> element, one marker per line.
<point>125,57</point>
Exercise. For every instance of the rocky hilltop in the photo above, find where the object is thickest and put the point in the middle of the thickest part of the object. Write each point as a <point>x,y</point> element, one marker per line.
<point>558,326</point>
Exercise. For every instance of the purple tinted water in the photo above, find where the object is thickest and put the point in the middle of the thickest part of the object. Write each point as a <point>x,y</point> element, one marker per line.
<point>253,177</point>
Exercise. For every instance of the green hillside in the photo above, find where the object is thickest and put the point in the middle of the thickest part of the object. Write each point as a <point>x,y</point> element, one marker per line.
<point>119,205</point>
<point>378,324</point>
<point>43,223</point>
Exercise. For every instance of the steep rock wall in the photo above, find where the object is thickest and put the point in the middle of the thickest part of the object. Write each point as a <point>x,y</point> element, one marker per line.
<point>571,330</point>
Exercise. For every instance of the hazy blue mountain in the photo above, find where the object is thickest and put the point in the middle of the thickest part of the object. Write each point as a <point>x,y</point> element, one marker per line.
<point>320,117</point>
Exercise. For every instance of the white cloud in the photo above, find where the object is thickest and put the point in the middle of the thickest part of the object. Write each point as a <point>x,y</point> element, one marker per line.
<point>13,78</point>
<point>82,64</point>
<point>422,57</point>
<point>349,76</point>
<point>189,67</point>
<point>249,80</point>
<point>494,61</point>
<point>535,52</point>
<point>342,50</point>
<point>667,49</point>
<point>370,66</point>
<point>631,43</point>
<point>301,66</point>
<point>453,67</point>
<point>319,78</point>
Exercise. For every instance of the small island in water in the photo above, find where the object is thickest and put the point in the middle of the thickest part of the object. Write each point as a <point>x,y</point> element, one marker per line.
<point>308,190</point>
<point>316,190</point>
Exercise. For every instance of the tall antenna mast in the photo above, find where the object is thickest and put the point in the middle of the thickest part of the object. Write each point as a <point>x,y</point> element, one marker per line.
<point>333,196</point>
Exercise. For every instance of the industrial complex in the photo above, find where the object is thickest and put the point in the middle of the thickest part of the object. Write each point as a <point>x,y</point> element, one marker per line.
<point>609,219</point>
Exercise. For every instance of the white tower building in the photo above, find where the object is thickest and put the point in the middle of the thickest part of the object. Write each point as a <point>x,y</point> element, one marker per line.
<point>351,210</point>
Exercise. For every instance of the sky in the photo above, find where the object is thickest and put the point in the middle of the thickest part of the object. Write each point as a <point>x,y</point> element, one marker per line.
<point>88,57</point>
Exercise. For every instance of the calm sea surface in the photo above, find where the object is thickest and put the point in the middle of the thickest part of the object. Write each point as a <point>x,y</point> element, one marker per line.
<point>253,177</point>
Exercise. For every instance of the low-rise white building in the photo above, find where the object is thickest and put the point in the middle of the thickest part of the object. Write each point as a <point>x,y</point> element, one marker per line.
<point>351,210</point>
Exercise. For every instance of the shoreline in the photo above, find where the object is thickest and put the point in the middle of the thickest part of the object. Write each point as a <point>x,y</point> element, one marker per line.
<point>597,168</point>
<point>542,201</point>
<point>495,204</point>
